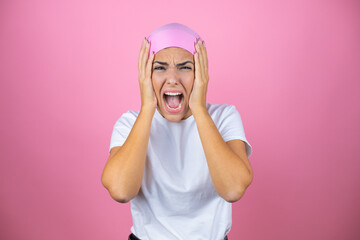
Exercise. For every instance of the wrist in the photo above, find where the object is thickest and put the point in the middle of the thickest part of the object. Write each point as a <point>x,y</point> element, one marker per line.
<point>199,111</point>
<point>147,109</point>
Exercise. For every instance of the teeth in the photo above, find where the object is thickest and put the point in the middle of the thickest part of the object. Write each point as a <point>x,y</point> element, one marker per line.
<point>182,100</point>
<point>172,93</point>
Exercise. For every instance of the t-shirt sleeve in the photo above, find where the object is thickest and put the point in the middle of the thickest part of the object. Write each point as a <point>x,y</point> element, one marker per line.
<point>122,128</point>
<point>231,127</point>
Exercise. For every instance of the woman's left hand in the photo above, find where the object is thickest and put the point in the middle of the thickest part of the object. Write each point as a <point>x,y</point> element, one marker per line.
<point>197,99</point>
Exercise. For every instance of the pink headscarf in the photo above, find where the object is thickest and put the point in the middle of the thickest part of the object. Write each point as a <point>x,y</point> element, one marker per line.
<point>173,35</point>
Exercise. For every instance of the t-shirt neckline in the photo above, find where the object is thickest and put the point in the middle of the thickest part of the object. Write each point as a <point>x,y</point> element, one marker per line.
<point>164,120</point>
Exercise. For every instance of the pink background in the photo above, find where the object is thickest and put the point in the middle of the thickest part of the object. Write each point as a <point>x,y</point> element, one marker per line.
<point>69,70</point>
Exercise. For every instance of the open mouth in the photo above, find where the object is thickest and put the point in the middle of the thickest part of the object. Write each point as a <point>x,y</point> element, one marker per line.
<point>173,101</point>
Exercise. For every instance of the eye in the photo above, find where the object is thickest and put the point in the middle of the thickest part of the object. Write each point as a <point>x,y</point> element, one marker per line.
<point>159,68</point>
<point>186,67</point>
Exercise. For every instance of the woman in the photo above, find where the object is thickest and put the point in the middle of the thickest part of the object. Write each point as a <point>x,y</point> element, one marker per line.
<point>179,160</point>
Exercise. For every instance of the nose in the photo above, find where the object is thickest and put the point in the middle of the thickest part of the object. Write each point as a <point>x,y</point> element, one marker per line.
<point>172,77</point>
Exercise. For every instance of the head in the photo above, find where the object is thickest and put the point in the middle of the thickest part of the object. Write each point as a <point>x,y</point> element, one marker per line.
<point>173,74</point>
<point>173,70</point>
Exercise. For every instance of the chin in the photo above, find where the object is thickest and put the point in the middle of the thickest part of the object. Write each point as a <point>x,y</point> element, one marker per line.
<point>174,117</point>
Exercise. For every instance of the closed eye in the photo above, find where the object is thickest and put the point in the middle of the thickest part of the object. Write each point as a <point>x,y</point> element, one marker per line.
<point>159,68</point>
<point>162,68</point>
<point>186,67</point>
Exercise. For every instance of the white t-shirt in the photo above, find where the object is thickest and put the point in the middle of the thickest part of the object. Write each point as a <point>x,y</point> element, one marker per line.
<point>177,199</point>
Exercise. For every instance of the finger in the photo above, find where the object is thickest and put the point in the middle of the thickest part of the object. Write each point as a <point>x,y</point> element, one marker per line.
<point>149,65</point>
<point>203,61</point>
<point>202,54</point>
<point>197,66</point>
<point>201,69</point>
<point>205,58</point>
<point>196,45</point>
<point>145,54</point>
<point>140,64</point>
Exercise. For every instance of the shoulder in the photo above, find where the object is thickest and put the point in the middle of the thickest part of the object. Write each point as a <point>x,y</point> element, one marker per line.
<point>130,114</point>
<point>128,117</point>
<point>218,110</point>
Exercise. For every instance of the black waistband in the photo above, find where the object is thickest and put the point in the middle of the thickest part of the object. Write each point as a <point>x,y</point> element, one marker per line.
<point>133,237</point>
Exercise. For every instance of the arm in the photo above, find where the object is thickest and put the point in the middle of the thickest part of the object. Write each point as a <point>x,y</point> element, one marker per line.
<point>228,164</point>
<point>123,171</point>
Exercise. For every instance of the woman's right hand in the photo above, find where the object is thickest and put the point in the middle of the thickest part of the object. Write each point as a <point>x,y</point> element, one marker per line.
<point>148,97</point>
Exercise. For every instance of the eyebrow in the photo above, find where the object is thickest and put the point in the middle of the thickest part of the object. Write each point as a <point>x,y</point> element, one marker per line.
<point>179,64</point>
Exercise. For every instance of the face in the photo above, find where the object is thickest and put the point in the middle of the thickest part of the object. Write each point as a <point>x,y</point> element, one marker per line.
<point>173,74</point>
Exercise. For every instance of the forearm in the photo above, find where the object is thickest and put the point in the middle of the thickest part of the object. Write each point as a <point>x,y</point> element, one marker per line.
<point>229,173</point>
<point>123,173</point>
